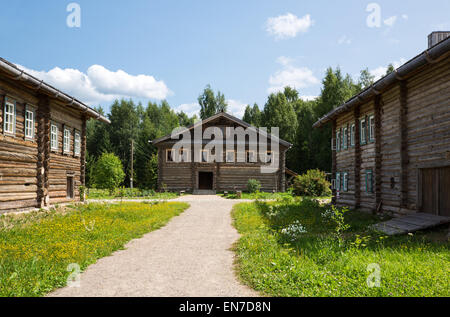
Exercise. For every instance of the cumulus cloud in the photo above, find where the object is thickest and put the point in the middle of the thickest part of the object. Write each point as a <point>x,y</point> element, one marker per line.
<point>102,85</point>
<point>190,109</point>
<point>288,26</point>
<point>309,98</point>
<point>380,72</point>
<point>236,108</point>
<point>289,75</point>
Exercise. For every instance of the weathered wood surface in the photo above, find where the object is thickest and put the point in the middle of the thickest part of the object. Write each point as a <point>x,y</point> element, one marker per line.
<point>410,223</point>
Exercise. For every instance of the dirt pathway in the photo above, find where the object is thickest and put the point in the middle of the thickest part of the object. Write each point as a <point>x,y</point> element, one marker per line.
<point>189,257</point>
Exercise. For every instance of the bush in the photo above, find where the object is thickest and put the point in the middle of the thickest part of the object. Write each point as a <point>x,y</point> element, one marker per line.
<point>108,172</point>
<point>253,186</point>
<point>313,183</point>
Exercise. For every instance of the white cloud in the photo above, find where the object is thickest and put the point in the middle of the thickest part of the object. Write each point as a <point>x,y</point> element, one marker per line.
<point>236,108</point>
<point>288,26</point>
<point>344,40</point>
<point>390,21</point>
<point>405,16</point>
<point>102,85</point>
<point>309,98</point>
<point>289,75</point>
<point>190,109</point>
<point>381,71</point>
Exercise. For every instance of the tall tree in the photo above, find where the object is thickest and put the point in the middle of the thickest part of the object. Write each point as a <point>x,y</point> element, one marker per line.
<point>211,104</point>
<point>278,112</point>
<point>390,69</point>
<point>366,79</point>
<point>253,115</point>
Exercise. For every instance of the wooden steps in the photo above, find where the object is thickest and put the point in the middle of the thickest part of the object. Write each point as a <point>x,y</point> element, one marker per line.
<point>204,192</point>
<point>410,223</point>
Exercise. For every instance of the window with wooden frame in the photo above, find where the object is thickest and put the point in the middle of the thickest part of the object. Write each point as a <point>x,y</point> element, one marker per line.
<point>338,181</point>
<point>338,141</point>
<point>66,141</point>
<point>345,182</point>
<point>54,137</point>
<point>169,156</point>
<point>269,157</point>
<point>352,135</point>
<point>345,139</point>
<point>250,157</point>
<point>371,128</point>
<point>29,123</point>
<point>205,156</point>
<point>184,155</point>
<point>231,155</point>
<point>9,117</point>
<point>362,131</point>
<point>369,181</point>
<point>77,143</point>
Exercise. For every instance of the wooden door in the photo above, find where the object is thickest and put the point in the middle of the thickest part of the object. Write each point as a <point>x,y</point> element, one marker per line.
<point>444,191</point>
<point>435,187</point>
<point>70,187</point>
<point>205,180</point>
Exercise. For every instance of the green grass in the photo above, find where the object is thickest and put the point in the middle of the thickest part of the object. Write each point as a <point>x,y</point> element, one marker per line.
<point>128,193</point>
<point>36,248</point>
<point>260,195</point>
<point>316,264</point>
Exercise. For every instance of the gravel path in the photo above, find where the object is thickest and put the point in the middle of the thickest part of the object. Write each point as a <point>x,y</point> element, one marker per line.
<point>190,257</point>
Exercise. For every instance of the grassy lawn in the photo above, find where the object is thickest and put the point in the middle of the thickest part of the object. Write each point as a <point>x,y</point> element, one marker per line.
<point>129,194</point>
<point>260,195</point>
<point>36,248</point>
<point>307,258</point>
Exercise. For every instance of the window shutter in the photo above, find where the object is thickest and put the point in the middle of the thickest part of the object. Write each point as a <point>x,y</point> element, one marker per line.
<point>15,117</point>
<point>5,99</point>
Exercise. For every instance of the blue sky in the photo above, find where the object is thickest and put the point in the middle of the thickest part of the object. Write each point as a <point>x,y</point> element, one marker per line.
<point>246,48</point>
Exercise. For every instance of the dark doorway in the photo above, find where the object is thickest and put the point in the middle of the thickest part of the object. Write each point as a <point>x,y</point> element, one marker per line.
<point>205,180</point>
<point>436,191</point>
<point>70,187</point>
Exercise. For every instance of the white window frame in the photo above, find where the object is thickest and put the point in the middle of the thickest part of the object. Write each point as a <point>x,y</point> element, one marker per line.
<point>202,159</point>
<point>362,131</point>
<point>345,182</point>
<point>338,181</point>
<point>54,137</point>
<point>171,160</point>
<point>9,125</point>
<point>29,124</point>
<point>338,140</point>
<point>77,143</point>
<point>371,128</point>
<point>352,134</point>
<point>66,140</point>
<point>184,155</point>
<point>247,157</point>
<point>269,157</point>
<point>345,138</point>
<point>234,156</point>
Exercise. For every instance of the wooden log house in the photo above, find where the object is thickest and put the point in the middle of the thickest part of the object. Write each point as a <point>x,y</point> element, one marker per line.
<point>391,142</point>
<point>228,175</point>
<point>42,142</point>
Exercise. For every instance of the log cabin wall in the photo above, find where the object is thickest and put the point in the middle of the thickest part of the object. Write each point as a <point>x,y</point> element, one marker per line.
<point>226,175</point>
<point>345,159</point>
<point>420,106</point>
<point>64,165</point>
<point>31,175</point>
<point>428,121</point>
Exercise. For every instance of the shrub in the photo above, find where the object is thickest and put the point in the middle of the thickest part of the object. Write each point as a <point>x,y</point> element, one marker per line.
<point>108,172</point>
<point>253,186</point>
<point>313,183</point>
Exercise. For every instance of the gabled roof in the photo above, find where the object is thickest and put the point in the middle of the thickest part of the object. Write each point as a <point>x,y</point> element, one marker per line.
<point>430,56</point>
<point>28,80</point>
<point>228,117</point>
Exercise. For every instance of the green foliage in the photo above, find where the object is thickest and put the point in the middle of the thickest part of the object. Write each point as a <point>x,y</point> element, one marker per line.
<point>253,186</point>
<point>366,79</point>
<point>108,172</point>
<point>313,184</point>
<point>36,248</point>
<point>290,249</point>
<point>128,193</point>
<point>210,104</point>
<point>253,115</point>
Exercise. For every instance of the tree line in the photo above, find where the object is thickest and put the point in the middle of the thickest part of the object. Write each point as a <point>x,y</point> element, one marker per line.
<point>286,110</point>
